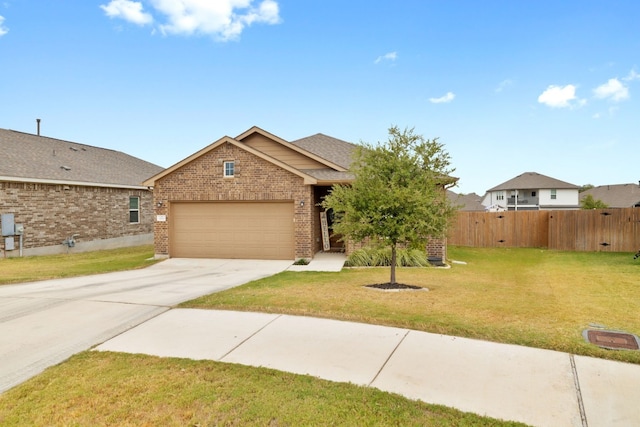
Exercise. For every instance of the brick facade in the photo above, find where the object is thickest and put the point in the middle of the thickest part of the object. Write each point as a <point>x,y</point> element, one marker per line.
<point>50,212</point>
<point>255,179</point>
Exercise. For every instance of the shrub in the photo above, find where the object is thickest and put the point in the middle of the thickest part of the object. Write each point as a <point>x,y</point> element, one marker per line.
<point>381,257</point>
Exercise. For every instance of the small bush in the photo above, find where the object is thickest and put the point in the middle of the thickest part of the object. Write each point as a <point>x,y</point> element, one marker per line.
<point>381,257</point>
<point>301,261</point>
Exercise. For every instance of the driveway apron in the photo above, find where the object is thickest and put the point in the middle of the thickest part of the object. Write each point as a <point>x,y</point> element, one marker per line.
<point>44,323</point>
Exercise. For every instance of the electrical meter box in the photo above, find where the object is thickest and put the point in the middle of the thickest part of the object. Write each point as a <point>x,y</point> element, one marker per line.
<point>19,229</point>
<point>9,244</point>
<point>8,224</point>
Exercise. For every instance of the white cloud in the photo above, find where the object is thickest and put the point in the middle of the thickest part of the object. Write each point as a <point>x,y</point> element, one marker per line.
<point>443,99</point>
<point>613,90</point>
<point>128,10</point>
<point>3,29</point>
<point>633,75</point>
<point>391,56</point>
<point>504,85</point>
<point>224,19</point>
<point>561,97</point>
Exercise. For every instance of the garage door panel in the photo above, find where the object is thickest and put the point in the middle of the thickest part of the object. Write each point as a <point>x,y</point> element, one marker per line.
<point>232,230</point>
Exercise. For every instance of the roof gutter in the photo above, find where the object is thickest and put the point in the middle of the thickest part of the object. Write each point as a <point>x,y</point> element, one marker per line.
<point>77,183</point>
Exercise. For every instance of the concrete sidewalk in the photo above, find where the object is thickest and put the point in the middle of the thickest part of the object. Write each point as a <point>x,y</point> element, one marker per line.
<point>533,386</point>
<point>323,261</point>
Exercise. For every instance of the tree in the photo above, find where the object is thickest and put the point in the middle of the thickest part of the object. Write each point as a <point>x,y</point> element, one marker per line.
<point>588,202</point>
<point>585,188</point>
<point>397,196</point>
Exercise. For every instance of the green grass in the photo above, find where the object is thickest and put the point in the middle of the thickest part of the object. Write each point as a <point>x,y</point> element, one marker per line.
<point>100,389</point>
<point>531,297</point>
<point>29,269</point>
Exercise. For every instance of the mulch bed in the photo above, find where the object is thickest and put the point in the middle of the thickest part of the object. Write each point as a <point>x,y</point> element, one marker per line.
<point>394,286</point>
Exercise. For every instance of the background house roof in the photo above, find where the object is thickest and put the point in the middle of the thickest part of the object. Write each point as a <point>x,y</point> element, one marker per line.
<point>616,196</point>
<point>533,181</point>
<point>466,202</point>
<point>31,157</point>
<point>335,150</point>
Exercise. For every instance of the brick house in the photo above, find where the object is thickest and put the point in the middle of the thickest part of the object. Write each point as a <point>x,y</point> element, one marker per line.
<point>60,191</point>
<point>255,196</point>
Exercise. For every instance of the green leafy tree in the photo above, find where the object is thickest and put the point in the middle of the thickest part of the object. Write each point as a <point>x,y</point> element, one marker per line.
<point>397,196</point>
<point>588,202</point>
<point>585,188</point>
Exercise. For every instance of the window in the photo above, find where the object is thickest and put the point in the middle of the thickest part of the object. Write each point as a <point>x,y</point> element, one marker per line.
<point>500,195</point>
<point>134,210</point>
<point>533,194</point>
<point>553,194</point>
<point>229,169</point>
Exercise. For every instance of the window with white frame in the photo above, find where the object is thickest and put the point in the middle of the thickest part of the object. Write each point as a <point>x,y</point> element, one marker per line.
<point>553,194</point>
<point>500,195</point>
<point>229,169</point>
<point>134,210</point>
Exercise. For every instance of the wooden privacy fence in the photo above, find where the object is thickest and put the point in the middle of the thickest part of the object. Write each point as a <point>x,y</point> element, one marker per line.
<point>611,230</point>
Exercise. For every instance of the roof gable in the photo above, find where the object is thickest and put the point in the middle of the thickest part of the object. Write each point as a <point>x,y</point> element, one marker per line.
<point>533,181</point>
<point>33,158</point>
<point>288,152</point>
<point>308,179</point>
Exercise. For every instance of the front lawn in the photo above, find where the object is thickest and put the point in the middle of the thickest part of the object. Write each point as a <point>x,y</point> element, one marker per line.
<point>532,297</point>
<point>34,268</point>
<point>100,389</point>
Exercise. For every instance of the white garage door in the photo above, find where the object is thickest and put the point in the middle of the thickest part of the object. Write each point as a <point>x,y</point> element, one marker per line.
<point>232,230</point>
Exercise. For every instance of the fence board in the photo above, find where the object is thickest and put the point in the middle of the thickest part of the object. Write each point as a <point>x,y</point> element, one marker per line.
<point>610,230</point>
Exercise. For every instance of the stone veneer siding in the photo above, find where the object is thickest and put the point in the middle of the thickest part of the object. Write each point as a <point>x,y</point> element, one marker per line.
<point>51,212</point>
<point>255,180</point>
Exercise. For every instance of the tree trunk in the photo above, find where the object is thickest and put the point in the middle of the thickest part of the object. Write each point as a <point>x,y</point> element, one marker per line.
<point>393,265</point>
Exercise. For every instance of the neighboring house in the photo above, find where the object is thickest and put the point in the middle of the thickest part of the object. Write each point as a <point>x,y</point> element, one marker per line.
<point>61,191</point>
<point>532,191</point>
<point>615,196</point>
<point>466,202</point>
<point>255,196</point>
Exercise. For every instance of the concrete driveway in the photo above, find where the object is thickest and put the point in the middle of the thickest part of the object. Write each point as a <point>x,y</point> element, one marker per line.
<point>44,323</point>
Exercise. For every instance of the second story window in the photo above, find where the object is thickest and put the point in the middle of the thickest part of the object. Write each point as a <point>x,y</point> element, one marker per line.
<point>229,169</point>
<point>553,194</point>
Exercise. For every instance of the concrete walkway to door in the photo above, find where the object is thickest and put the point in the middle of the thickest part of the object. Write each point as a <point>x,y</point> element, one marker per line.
<point>323,261</point>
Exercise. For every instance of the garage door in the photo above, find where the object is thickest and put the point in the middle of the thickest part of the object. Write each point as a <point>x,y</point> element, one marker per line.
<point>232,230</point>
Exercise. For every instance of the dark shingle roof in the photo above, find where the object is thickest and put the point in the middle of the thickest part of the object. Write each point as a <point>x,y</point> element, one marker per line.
<point>335,150</point>
<point>329,174</point>
<point>32,157</point>
<point>616,196</point>
<point>533,181</point>
<point>466,202</point>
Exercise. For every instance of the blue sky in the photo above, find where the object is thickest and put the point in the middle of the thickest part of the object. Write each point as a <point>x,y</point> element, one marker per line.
<point>508,86</point>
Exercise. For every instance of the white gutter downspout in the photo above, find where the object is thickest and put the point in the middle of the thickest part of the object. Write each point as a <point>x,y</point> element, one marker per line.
<point>516,208</point>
